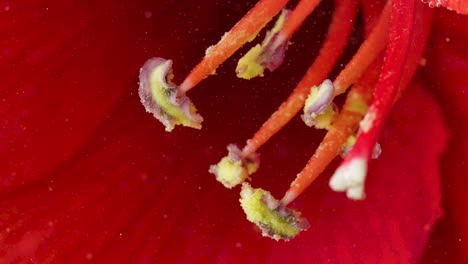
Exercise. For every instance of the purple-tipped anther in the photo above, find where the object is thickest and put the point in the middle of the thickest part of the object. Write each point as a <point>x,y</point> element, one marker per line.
<point>319,99</point>
<point>273,54</point>
<point>273,218</point>
<point>235,168</point>
<point>267,55</point>
<point>162,98</point>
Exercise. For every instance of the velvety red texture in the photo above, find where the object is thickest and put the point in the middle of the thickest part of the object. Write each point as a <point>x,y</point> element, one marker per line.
<point>88,175</point>
<point>446,76</point>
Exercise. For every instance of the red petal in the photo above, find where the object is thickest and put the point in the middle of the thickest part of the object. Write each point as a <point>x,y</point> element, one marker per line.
<point>71,62</point>
<point>109,185</point>
<point>447,65</point>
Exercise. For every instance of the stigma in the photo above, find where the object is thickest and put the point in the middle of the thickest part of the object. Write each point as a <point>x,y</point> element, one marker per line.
<point>372,81</point>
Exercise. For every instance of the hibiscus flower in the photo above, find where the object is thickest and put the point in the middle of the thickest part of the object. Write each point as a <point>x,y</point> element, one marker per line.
<point>88,176</point>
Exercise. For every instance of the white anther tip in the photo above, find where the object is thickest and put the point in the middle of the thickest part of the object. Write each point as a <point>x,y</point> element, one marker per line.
<point>350,177</point>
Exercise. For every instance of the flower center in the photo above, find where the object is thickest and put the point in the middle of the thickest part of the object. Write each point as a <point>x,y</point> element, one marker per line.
<point>380,69</point>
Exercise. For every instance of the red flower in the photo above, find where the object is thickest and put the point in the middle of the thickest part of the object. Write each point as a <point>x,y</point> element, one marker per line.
<point>87,175</point>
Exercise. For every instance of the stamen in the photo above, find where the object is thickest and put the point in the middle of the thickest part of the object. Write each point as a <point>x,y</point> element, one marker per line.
<point>358,64</point>
<point>355,165</point>
<point>168,102</point>
<point>274,219</point>
<point>266,55</point>
<point>234,169</point>
<point>366,54</point>
<point>319,109</point>
<point>245,30</point>
<point>162,98</point>
<point>270,54</point>
<point>338,34</point>
<point>355,108</point>
<point>343,127</point>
